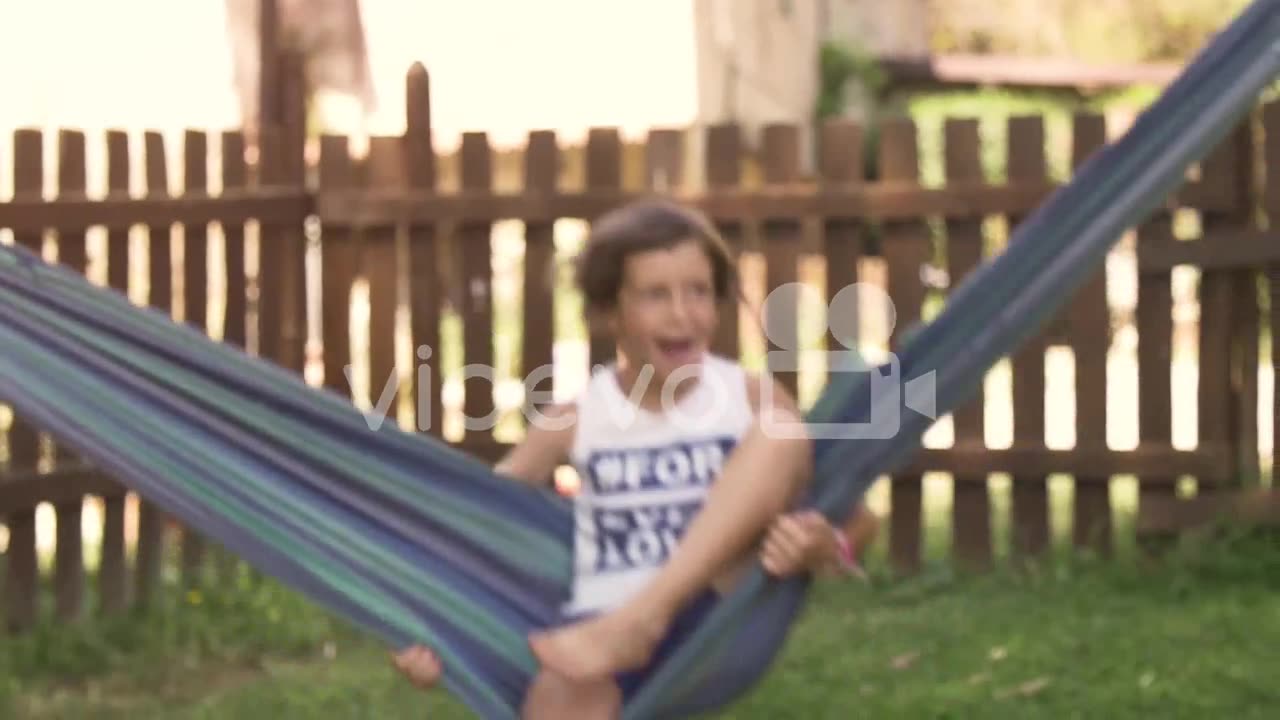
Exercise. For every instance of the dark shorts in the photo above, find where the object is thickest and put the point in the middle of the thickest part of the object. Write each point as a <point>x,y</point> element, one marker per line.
<point>686,623</point>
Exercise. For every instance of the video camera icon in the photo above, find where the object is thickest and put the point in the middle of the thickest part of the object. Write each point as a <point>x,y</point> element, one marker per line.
<point>886,393</point>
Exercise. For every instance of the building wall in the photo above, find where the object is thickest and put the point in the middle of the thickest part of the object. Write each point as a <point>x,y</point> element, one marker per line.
<point>95,66</point>
<point>896,28</point>
<point>510,67</point>
<point>757,63</point>
<point>497,66</point>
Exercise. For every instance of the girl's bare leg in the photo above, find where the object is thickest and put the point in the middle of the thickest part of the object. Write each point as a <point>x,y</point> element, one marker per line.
<point>551,697</point>
<point>759,481</point>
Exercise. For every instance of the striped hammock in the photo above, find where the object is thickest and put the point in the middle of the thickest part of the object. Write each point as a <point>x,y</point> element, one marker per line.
<point>417,543</point>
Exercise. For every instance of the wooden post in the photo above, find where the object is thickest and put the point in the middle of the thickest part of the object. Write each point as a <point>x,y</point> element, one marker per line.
<point>293,172</point>
<point>270,111</point>
<point>281,268</point>
<point>426,277</point>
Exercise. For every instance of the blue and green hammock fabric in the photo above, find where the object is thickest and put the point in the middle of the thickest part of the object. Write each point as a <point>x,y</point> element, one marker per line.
<point>417,543</point>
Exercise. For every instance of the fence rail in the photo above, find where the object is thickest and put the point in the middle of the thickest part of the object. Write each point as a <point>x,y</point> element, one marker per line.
<point>429,257</point>
<point>272,205</point>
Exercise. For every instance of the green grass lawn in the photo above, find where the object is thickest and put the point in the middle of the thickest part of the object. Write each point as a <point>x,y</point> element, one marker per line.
<point>1193,637</point>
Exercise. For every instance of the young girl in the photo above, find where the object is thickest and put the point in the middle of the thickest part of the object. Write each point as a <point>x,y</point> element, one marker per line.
<point>680,478</point>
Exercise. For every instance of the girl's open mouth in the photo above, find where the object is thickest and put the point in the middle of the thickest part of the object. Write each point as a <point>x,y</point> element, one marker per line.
<point>680,350</point>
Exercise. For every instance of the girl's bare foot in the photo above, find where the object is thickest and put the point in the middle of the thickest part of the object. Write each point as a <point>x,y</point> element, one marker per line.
<point>599,647</point>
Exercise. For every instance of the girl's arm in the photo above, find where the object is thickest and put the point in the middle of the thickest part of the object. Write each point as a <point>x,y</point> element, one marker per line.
<point>796,541</point>
<point>545,447</point>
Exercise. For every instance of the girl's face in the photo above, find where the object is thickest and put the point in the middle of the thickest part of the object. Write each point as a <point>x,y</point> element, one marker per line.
<point>667,311</point>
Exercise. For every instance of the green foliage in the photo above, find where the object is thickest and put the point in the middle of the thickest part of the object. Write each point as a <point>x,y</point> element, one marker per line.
<point>851,81</point>
<point>840,69</point>
<point>1272,92</point>
<point>1116,31</point>
<point>235,622</point>
<point>1071,638</point>
<point>1176,30</point>
<point>993,108</point>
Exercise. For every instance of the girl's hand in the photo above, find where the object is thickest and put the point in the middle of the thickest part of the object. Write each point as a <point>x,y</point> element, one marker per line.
<point>797,542</point>
<point>419,665</point>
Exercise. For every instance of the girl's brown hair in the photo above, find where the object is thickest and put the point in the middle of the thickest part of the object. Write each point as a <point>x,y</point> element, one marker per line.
<point>640,226</point>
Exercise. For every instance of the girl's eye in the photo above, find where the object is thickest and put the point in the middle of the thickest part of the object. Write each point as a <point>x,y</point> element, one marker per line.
<point>698,290</point>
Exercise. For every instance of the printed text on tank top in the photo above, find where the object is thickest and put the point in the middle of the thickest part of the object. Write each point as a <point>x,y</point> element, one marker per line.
<point>644,476</point>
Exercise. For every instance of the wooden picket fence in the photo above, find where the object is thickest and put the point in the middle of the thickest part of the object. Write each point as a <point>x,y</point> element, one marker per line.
<point>425,253</point>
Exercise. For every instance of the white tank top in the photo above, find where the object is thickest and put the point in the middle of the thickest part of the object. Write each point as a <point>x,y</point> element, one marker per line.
<point>644,475</point>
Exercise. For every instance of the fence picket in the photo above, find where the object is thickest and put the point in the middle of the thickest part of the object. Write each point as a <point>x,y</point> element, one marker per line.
<point>235,330</point>
<point>723,170</point>
<point>1227,298</point>
<point>906,248</point>
<point>195,304</point>
<point>112,573</point>
<point>603,172</point>
<point>340,266</point>
<point>151,537</point>
<point>971,511</point>
<point>22,585</point>
<point>780,239</point>
<point>1089,318</point>
<point>379,263</point>
<point>1271,205</point>
<point>1030,492</point>
<point>542,163</point>
<point>69,572</point>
